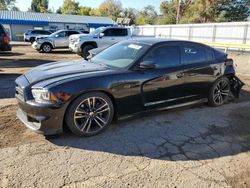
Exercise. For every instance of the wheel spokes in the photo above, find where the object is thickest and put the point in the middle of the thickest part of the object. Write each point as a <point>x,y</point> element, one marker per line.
<point>92,114</point>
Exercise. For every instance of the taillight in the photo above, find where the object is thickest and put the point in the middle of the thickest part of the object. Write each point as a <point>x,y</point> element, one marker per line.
<point>6,39</point>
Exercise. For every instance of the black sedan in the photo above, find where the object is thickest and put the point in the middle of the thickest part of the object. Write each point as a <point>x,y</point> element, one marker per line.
<point>127,78</point>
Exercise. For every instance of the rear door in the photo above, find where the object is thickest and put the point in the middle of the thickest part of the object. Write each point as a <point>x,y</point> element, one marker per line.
<point>200,69</point>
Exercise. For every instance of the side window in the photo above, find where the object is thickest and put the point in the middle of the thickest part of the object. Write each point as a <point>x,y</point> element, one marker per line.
<point>164,56</point>
<point>109,33</point>
<point>72,32</point>
<point>193,54</point>
<point>45,32</point>
<point>62,34</point>
<point>120,32</point>
<point>34,32</point>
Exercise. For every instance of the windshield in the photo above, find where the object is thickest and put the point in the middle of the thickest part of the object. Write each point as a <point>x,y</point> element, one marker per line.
<point>97,31</point>
<point>120,55</point>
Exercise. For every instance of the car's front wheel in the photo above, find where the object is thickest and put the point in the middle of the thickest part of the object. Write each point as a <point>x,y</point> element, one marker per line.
<point>85,50</point>
<point>47,48</point>
<point>90,114</point>
<point>220,91</point>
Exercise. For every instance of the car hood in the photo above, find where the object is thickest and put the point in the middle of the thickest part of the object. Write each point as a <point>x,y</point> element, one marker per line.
<point>62,69</point>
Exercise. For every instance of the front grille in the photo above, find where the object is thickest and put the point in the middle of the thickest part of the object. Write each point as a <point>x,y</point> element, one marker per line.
<point>19,93</point>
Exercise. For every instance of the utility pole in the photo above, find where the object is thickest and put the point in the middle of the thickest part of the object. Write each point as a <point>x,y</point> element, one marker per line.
<point>178,2</point>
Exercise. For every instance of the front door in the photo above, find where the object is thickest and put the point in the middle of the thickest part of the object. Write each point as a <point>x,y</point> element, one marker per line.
<point>164,85</point>
<point>61,39</point>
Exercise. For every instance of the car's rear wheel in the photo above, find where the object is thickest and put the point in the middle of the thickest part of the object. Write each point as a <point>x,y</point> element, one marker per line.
<point>220,91</point>
<point>90,114</point>
<point>47,48</point>
<point>85,50</point>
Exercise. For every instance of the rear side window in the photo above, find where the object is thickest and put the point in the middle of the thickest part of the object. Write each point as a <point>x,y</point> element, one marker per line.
<point>120,32</point>
<point>193,54</point>
<point>164,56</point>
<point>109,32</point>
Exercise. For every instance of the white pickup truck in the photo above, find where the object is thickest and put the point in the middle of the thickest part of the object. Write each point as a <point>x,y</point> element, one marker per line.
<point>101,37</point>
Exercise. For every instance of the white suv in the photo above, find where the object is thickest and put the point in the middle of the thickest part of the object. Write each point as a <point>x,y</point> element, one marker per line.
<point>101,37</point>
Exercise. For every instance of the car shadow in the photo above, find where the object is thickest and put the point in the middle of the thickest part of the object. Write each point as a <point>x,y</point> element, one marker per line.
<point>61,52</point>
<point>196,133</point>
<point>7,54</point>
<point>19,63</point>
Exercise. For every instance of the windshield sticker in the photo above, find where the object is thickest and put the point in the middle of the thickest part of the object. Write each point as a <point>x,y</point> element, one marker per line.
<point>135,46</point>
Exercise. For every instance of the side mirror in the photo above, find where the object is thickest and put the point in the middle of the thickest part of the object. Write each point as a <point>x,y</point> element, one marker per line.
<point>147,65</point>
<point>101,35</point>
<point>56,36</point>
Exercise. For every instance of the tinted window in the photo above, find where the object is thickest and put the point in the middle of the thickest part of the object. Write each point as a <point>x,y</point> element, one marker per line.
<point>109,32</point>
<point>193,54</point>
<point>164,56</point>
<point>45,32</point>
<point>120,32</point>
<point>72,32</point>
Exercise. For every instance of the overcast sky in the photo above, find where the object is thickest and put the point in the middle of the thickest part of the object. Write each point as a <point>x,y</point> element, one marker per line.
<point>23,5</point>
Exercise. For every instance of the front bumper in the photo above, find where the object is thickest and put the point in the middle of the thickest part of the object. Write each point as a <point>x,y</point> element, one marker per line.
<point>43,119</point>
<point>36,46</point>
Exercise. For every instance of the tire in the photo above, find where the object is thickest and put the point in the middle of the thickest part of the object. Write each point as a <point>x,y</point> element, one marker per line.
<point>46,48</point>
<point>89,114</point>
<point>32,40</point>
<point>219,93</point>
<point>85,51</point>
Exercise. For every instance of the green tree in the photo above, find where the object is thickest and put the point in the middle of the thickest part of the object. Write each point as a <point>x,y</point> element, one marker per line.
<point>59,10</point>
<point>130,13</point>
<point>147,15</point>
<point>168,11</point>
<point>70,7</point>
<point>84,11</point>
<point>232,10</point>
<point>200,11</point>
<point>39,6</point>
<point>111,8</point>
<point>8,5</point>
<point>95,12</point>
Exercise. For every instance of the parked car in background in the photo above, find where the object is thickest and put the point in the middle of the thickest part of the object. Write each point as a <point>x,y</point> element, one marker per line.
<point>4,40</point>
<point>101,37</point>
<point>30,35</point>
<point>127,78</point>
<point>59,39</point>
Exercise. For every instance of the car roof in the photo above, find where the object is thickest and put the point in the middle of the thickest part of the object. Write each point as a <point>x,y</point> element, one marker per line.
<point>153,41</point>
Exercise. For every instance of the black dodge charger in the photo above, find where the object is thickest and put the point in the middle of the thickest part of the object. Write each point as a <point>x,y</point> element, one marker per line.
<point>127,78</point>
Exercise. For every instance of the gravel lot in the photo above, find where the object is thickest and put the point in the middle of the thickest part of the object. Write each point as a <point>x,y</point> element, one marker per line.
<point>199,146</point>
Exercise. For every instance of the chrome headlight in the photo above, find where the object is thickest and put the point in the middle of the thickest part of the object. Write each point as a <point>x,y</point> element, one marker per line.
<point>41,96</point>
